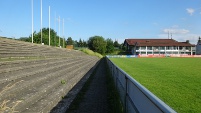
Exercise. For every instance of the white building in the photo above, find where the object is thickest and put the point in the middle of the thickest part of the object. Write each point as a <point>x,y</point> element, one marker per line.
<point>158,46</point>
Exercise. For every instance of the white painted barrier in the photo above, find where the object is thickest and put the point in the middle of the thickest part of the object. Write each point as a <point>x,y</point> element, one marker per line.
<point>135,97</point>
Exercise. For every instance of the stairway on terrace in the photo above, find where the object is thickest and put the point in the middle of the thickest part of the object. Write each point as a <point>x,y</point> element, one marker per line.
<point>34,78</point>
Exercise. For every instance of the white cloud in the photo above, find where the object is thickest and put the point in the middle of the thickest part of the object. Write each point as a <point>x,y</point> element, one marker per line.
<point>176,31</point>
<point>190,11</point>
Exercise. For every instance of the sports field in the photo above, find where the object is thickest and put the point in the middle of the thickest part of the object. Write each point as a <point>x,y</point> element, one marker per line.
<point>176,81</point>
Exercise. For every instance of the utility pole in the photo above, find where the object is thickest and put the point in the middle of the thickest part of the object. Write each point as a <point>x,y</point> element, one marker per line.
<point>49,25</point>
<point>32,21</point>
<point>41,22</point>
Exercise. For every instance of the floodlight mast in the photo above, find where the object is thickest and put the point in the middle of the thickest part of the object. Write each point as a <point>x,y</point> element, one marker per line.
<point>41,22</point>
<point>59,31</point>
<point>49,25</point>
<point>63,32</point>
<point>32,21</point>
<point>55,20</point>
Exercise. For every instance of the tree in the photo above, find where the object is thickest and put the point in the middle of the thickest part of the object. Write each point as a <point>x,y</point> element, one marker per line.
<point>80,43</point>
<point>97,44</point>
<point>84,43</point>
<point>69,41</point>
<point>75,43</point>
<point>45,37</point>
<point>116,44</point>
<point>110,46</point>
<point>54,39</point>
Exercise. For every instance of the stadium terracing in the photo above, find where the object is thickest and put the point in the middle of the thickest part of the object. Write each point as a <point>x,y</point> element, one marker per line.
<point>34,77</point>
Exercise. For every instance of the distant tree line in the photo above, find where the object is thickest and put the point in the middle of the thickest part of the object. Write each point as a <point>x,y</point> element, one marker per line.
<point>95,43</point>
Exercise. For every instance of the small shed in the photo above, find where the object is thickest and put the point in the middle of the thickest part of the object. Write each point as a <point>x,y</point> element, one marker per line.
<point>69,47</point>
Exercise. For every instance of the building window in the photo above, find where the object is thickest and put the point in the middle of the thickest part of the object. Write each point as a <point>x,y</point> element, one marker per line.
<point>143,48</point>
<point>168,48</point>
<point>174,48</point>
<point>149,48</point>
<point>149,53</point>
<point>188,48</point>
<point>162,48</point>
<point>155,48</point>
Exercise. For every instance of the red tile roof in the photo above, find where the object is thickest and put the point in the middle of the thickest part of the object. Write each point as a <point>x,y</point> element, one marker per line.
<point>156,42</point>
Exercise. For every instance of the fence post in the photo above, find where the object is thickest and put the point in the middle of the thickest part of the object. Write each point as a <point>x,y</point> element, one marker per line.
<point>116,77</point>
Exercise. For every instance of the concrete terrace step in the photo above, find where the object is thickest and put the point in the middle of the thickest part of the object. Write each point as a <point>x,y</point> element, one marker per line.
<point>31,53</point>
<point>6,77</point>
<point>20,65</point>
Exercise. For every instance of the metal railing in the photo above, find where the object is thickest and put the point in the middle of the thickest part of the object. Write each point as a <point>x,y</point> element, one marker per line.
<point>135,97</point>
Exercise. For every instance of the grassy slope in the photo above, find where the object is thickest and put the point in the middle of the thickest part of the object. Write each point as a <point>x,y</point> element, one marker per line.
<point>90,52</point>
<point>177,81</point>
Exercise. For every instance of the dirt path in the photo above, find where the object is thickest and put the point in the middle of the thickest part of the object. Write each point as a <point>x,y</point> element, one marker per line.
<point>95,98</point>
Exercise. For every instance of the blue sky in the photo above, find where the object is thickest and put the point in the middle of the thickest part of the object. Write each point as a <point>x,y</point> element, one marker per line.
<point>115,19</point>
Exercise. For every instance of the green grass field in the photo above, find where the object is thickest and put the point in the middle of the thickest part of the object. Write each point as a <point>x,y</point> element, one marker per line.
<point>176,81</point>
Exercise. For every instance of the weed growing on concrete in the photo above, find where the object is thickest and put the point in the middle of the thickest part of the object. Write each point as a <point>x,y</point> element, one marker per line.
<point>63,82</point>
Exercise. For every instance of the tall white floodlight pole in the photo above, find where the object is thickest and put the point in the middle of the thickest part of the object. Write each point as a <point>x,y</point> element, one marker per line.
<point>32,21</point>
<point>41,22</point>
<point>49,25</point>
<point>55,20</point>
<point>59,31</point>
<point>63,32</point>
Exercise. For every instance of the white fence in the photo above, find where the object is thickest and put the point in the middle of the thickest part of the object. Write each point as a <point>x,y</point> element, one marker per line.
<point>135,97</point>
